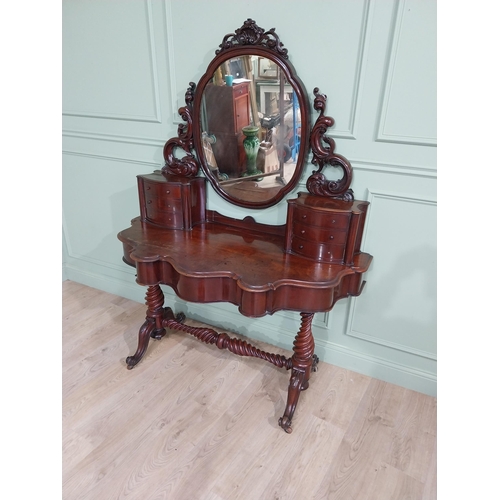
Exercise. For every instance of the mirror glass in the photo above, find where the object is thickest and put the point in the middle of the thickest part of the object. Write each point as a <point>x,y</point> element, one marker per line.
<point>250,126</point>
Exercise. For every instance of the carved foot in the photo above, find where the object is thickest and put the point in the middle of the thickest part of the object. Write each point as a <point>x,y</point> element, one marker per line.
<point>297,380</point>
<point>285,424</point>
<point>144,335</point>
<point>303,361</point>
<point>131,362</point>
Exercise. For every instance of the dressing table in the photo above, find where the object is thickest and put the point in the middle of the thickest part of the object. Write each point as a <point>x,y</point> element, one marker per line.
<point>304,265</point>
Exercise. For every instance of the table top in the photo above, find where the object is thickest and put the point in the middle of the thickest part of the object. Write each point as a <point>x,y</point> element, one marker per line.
<point>214,262</point>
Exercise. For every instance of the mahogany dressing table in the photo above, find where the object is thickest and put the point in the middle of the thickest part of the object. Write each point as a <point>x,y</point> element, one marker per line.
<point>305,265</point>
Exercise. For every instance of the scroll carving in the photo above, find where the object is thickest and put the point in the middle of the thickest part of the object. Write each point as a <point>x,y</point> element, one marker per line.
<point>188,165</point>
<point>251,34</point>
<point>323,154</point>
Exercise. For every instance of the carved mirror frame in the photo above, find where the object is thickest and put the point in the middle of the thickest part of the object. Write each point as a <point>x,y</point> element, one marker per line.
<point>251,39</point>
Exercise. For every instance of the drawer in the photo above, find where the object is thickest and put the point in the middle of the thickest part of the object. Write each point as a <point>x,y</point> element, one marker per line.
<point>323,219</point>
<point>163,203</point>
<point>323,252</point>
<point>153,190</point>
<point>333,235</point>
<point>167,218</point>
<point>240,90</point>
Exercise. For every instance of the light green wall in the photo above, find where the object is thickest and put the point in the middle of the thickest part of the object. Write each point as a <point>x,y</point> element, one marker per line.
<point>126,66</point>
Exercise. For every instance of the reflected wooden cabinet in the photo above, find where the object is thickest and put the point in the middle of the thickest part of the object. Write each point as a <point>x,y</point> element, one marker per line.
<point>233,106</point>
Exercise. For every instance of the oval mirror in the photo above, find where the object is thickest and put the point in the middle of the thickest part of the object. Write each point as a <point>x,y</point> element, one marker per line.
<point>251,123</point>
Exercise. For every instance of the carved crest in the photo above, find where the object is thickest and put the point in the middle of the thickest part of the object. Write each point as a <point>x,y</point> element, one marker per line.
<point>323,154</point>
<point>188,165</point>
<point>251,34</point>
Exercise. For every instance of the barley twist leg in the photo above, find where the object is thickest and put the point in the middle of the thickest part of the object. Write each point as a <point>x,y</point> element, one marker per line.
<point>152,327</point>
<point>303,360</point>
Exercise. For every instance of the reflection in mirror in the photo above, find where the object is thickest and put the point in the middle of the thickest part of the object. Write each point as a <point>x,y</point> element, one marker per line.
<point>250,128</point>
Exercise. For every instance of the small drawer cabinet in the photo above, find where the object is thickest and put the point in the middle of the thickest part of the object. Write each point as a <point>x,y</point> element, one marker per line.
<point>325,230</point>
<point>171,202</point>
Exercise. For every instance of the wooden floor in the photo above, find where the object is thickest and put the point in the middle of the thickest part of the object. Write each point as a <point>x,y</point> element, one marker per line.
<point>193,422</point>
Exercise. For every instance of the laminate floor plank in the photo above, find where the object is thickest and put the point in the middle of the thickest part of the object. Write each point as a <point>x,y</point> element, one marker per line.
<point>430,485</point>
<point>337,394</point>
<point>215,446</point>
<point>202,448</point>
<point>308,464</point>
<point>121,322</point>
<point>261,453</point>
<point>392,484</point>
<point>76,297</point>
<point>105,418</point>
<point>83,305</point>
<point>367,439</point>
<point>130,410</point>
<point>192,422</point>
<point>414,436</point>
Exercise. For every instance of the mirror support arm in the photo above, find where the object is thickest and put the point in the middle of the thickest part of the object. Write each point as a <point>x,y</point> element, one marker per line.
<point>323,154</point>
<point>188,165</point>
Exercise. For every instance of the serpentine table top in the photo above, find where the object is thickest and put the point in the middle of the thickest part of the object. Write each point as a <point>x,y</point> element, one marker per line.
<point>215,262</point>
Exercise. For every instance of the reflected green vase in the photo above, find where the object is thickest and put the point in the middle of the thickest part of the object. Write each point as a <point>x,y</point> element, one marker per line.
<point>251,144</point>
